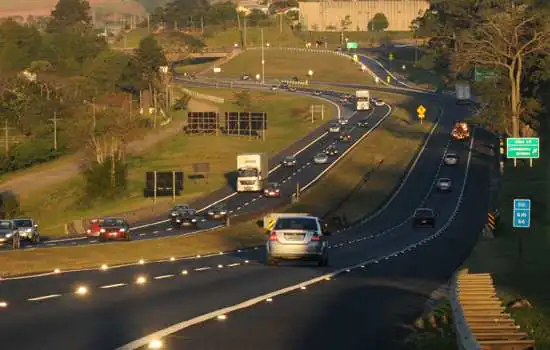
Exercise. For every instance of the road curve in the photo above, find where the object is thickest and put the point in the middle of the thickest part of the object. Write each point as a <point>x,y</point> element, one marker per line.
<point>242,203</point>
<point>117,310</point>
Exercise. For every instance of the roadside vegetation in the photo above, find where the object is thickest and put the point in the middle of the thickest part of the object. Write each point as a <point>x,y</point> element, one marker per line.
<point>243,234</point>
<point>513,84</point>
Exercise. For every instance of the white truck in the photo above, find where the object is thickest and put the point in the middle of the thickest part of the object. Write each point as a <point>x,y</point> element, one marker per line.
<point>463,94</point>
<point>271,219</point>
<point>362,100</point>
<point>252,172</point>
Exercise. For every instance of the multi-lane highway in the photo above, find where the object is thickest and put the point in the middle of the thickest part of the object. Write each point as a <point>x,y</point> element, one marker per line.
<point>367,304</point>
<point>304,175</point>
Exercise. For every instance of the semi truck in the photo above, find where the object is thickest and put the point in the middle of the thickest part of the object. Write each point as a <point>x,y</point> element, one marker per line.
<point>463,94</point>
<point>252,172</point>
<point>362,100</point>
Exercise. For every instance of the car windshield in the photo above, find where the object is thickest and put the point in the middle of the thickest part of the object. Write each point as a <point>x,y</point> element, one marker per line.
<point>289,159</point>
<point>334,125</point>
<point>23,223</point>
<point>247,172</point>
<point>219,207</point>
<point>4,224</point>
<point>296,224</point>
<point>273,185</point>
<point>181,206</point>
<point>423,212</point>
<point>321,155</point>
<point>113,222</point>
<point>444,180</point>
<point>451,155</point>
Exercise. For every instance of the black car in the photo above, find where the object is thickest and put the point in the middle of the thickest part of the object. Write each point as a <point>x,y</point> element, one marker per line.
<point>332,150</point>
<point>114,229</point>
<point>177,209</point>
<point>272,190</point>
<point>363,123</point>
<point>345,137</point>
<point>288,161</point>
<point>424,217</point>
<point>188,218</point>
<point>218,211</point>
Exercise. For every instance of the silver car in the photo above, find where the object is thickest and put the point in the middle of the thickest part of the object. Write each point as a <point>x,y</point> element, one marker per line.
<point>444,184</point>
<point>450,159</point>
<point>334,127</point>
<point>320,158</point>
<point>9,235</point>
<point>27,229</point>
<point>297,237</point>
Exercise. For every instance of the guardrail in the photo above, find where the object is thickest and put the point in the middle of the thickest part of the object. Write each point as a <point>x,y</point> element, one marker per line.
<point>202,96</point>
<point>479,319</point>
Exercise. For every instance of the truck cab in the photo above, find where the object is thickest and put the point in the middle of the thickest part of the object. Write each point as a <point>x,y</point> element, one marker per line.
<point>252,172</point>
<point>362,98</point>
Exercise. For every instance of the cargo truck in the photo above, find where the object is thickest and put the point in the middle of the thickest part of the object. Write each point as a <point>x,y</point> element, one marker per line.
<point>252,172</point>
<point>362,100</point>
<point>463,94</point>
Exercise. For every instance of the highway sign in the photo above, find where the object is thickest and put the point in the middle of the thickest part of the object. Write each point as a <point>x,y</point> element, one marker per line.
<point>522,148</point>
<point>421,110</point>
<point>522,213</point>
<point>391,56</point>
<point>352,45</point>
<point>485,74</point>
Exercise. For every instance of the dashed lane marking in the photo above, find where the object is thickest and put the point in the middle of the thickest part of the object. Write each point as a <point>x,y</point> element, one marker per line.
<point>203,268</point>
<point>163,277</point>
<point>45,297</point>
<point>233,265</point>
<point>116,285</point>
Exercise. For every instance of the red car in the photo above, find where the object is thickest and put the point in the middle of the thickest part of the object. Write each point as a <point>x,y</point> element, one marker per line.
<point>94,228</point>
<point>114,229</point>
<point>272,190</point>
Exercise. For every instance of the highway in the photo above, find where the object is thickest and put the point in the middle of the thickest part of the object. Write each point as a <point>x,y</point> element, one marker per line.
<point>242,203</point>
<point>118,310</point>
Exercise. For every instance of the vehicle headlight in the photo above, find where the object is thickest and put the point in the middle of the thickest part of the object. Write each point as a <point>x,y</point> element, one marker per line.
<point>223,212</point>
<point>102,230</point>
<point>9,235</point>
<point>122,230</point>
<point>28,230</point>
<point>194,220</point>
<point>210,213</point>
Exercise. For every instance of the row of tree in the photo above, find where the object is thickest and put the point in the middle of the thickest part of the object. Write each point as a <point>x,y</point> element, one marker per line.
<point>63,89</point>
<point>507,40</point>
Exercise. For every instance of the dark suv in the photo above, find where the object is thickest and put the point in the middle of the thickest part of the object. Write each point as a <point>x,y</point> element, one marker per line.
<point>424,217</point>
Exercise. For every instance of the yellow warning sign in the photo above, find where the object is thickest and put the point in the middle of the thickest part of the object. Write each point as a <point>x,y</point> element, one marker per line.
<point>270,224</point>
<point>421,110</point>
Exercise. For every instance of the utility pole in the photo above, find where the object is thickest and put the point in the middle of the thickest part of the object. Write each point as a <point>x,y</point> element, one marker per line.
<point>202,25</point>
<point>281,23</point>
<point>54,120</point>
<point>148,23</point>
<point>263,57</point>
<point>239,26</point>
<point>7,137</point>
<point>244,34</point>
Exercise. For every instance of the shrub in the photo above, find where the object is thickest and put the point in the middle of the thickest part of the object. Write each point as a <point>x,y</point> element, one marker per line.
<point>9,205</point>
<point>103,182</point>
<point>29,153</point>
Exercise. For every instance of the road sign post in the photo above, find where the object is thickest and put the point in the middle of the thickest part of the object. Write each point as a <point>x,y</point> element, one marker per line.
<point>421,110</point>
<point>523,148</point>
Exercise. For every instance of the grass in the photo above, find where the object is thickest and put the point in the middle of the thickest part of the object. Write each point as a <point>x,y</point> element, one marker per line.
<point>400,136</point>
<point>240,235</point>
<point>288,121</point>
<point>433,331</point>
<point>281,64</point>
<point>521,276</point>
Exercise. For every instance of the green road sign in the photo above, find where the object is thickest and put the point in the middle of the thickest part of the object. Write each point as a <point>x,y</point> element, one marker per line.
<point>391,56</point>
<point>352,45</point>
<point>522,148</point>
<point>485,74</point>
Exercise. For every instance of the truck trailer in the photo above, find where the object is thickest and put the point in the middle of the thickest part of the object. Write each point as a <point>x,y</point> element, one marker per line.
<point>362,100</point>
<point>252,172</point>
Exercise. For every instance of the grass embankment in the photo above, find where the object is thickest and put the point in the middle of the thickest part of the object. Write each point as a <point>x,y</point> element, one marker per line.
<point>247,234</point>
<point>282,64</point>
<point>524,276</point>
<point>289,120</point>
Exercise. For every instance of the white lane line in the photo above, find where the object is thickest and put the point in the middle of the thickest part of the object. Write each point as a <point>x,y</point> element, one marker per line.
<point>202,268</point>
<point>239,208</point>
<point>45,297</point>
<point>163,277</point>
<point>254,199</point>
<point>155,232</point>
<point>234,264</point>
<point>116,285</point>
<point>245,204</point>
<point>136,344</point>
<point>94,241</point>
<point>169,229</point>
<point>142,234</point>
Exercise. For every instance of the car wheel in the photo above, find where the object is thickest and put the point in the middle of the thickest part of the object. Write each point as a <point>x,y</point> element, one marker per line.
<point>36,239</point>
<point>271,261</point>
<point>128,237</point>
<point>16,242</point>
<point>323,261</point>
<point>102,238</point>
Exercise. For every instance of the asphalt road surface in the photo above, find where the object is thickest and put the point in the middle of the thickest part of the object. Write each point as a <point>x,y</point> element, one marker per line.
<point>243,203</point>
<point>117,310</point>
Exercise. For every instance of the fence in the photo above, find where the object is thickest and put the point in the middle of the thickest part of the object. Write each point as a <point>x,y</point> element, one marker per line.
<point>479,319</point>
<point>201,96</point>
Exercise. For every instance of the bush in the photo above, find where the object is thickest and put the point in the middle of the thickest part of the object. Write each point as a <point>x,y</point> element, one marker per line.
<point>27,154</point>
<point>100,182</point>
<point>9,205</point>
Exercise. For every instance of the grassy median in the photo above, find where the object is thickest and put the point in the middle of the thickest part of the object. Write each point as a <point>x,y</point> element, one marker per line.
<point>396,129</point>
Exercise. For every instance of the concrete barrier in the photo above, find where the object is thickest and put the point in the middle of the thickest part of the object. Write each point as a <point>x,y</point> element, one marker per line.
<point>201,96</point>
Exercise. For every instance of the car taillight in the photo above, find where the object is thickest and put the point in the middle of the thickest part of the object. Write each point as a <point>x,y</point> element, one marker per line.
<point>102,230</point>
<point>277,191</point>
<point>122,230</point>
<point>316,237</point>
<point>273,236</point>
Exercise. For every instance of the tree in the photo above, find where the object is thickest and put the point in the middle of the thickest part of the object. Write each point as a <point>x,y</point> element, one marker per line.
<point>503,41</point>
<point>70,14</point>
<point>150,58</point>
<point>107,69</point>
<point>378,23</point>
<point>345,23</point>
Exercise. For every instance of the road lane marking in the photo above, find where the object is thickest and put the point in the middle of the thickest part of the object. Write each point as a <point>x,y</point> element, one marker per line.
<point>45,297</point>
<point>116,285</point>
<point>234,264</point>
<point>163,277</point>
<point>202,268</point>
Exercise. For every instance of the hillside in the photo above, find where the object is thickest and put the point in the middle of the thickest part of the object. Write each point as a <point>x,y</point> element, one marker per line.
<point>36,8</point>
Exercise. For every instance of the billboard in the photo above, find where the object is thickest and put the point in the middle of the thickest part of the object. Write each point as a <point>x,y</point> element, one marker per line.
<point>245,123</point>
<point>164,181</point>
<point>202,122</point>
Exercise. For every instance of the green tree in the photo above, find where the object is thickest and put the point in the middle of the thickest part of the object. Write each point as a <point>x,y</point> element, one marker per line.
<point>70,14</point>
<point>150,58</point>
<point>378,23</point>
<point>23,40</point>
<point>107,69</point>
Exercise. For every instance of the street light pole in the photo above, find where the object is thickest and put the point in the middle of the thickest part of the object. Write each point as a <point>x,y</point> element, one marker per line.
<point>263,56</point>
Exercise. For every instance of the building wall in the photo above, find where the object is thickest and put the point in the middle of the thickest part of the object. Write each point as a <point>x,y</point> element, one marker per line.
<point>320,15</point>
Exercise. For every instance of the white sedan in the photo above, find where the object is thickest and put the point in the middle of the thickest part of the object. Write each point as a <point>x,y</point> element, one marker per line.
<point>444,184</point>
<point>450,159</point>
<point>377,102</point>
<point>320,158</point>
